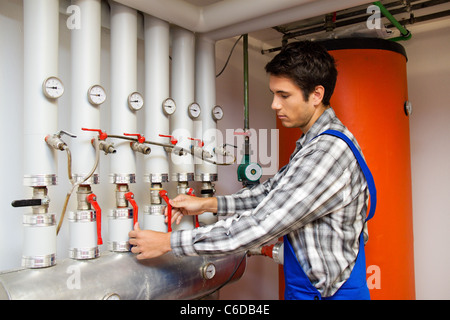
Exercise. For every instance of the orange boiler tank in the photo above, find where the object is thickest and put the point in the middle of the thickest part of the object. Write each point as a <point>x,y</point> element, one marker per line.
<point>369,98</point>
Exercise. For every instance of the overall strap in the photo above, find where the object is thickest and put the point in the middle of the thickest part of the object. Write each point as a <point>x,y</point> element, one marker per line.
<point>364,168</point>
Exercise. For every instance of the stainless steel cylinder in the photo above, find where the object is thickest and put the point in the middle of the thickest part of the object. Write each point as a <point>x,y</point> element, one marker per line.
<point>122,276</point>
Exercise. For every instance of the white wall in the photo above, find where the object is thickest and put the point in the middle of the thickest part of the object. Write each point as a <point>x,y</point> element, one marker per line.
<point>428,87</point>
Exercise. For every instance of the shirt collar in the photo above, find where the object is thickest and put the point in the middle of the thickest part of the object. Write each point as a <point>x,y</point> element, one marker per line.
<point>318,127</point>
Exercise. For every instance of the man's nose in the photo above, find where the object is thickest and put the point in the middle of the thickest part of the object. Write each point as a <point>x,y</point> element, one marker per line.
<point>275,104</point>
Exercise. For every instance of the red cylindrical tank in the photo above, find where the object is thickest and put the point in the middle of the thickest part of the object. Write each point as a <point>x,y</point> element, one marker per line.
<point>369,99</point>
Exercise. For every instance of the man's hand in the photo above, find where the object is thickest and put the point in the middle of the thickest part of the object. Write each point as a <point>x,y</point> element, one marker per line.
<point>188,205</point>
<point>148,244</point>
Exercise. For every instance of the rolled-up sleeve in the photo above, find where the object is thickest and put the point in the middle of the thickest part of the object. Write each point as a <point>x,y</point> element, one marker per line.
<point>307,189</point>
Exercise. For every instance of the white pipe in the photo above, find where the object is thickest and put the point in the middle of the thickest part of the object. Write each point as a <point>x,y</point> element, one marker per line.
<point>226,19</point>
<point>123,83</point>
<point>183,91</point>
<point>157,89</point>
<point>85,52</point>
<point>205,94</point>
<point>303,11</point>
<point>41,25</point>
<point>213,16</point>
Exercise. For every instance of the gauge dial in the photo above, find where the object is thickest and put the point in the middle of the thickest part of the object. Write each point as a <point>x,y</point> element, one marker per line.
<point>169,106</point>
<point>135,101</point>
<point>194,110</point>
<point>209,271</point>
<point>217,113</point>
<point>96,95</point>
<point>53,88</point>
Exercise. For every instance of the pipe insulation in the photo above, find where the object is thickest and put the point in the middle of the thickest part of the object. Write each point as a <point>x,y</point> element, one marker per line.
<point>123,83</point>
<point>157,90</point>
<point>86,54</point>
<point>205,94</point>
<point>183,91</point>
<point>122,276</point>
<point>41,25</point>
<point>210,17</point>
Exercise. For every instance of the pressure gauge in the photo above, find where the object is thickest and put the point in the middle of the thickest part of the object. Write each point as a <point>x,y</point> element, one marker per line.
<point>96,95</point>
<point>217,113</point>
<point>208,271</point>
<point>53,88</point>
<point>135,101</point>
<point>194,110</point>
<point>169,106</point>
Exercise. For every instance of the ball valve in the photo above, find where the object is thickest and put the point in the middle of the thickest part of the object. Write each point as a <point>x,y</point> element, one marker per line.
<point>139,145</point>
<point>103,145</point>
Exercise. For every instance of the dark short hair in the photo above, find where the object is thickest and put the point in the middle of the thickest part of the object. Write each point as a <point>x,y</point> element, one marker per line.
<point>308,64</point>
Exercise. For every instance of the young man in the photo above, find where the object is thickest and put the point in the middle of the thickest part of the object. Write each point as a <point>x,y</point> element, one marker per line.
<point>318,201</point>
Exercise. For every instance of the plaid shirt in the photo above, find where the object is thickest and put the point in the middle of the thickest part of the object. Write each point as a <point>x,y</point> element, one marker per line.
<point>319,200</point>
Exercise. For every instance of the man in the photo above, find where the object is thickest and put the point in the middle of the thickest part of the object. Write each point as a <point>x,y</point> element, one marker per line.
<point>318,201</point>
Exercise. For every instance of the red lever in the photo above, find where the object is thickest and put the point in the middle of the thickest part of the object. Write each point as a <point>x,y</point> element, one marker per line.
<point>101,135</point>
<point>140,139</point>
<point>129,196</point>
<point>163,195</point>
<point>190,192</point>
<point>92,199</point>
<point>200,142</point>
<point>172,138</point>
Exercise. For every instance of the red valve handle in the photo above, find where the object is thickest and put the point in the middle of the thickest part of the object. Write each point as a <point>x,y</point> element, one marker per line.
<point>92,199</point>
<point>101,135</point>
<point>140,139</point>
<point>200,142</point>
<point>172,138</point>
<point>190,192</point>
<point>163,195</point>
<point>129,196</point>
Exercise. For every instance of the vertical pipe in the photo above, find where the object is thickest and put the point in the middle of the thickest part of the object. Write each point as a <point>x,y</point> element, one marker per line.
<point>183,80</point>
<point>157,90</point>
<point>123,83</point>
<point>205,94</point>
<point>157,84</point>
<point>41,25</point>
<point>86,48</point>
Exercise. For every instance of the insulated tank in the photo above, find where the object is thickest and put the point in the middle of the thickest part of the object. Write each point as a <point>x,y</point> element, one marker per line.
<point>370,98</point>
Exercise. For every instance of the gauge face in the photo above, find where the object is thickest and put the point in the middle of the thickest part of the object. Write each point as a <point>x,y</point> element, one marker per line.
<point>96,95</point>
<point>135,101</point>
<point>209,271</point>
<point>53,88</point>
<point>194,110</point>
<point>169,106</point>
<point>217,113</point>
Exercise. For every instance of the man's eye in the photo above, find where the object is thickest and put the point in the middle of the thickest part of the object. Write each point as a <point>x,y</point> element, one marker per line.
<point>285,96</point>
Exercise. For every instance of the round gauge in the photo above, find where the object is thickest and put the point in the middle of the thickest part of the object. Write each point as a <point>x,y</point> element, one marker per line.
<point>169,106</point>
<point>194,110</point>
<point>217,113</point>
<point>135,101</point>
<point>53,88</point>
<point>209,271</point>
<point>96,95</point>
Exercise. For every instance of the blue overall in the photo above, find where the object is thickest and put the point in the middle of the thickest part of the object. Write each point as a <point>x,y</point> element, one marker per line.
<point>297,284</point>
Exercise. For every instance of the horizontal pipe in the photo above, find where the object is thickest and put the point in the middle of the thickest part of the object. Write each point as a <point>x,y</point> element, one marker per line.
<point>122,276</point>
<point>213,16</point>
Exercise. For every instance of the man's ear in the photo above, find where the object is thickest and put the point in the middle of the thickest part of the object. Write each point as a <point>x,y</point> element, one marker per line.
<point>317,95</point>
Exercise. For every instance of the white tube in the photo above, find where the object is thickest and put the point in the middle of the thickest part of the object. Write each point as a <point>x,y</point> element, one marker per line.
<point>213,16</point>
<point>183,82</point>
<point>120,223</point>
<point>157,85</point>
<point>41,25</point>
<point>123,83</point>
<point>85,52</point>
<point>300,12</point>
<point>83,235</point>
<point>205,94</point>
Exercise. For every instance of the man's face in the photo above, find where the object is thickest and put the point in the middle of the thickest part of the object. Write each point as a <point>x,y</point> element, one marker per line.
<point>289,104</point>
